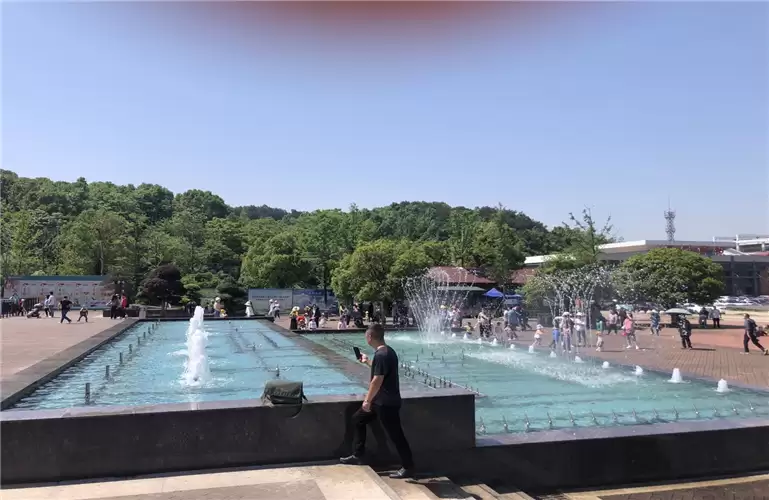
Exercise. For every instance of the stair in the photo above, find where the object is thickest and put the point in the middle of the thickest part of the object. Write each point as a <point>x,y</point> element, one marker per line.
<point>441,487</point>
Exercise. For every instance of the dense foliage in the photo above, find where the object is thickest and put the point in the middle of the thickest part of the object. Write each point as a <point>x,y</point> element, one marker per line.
<point>127,232</point>
<point>669,276</point>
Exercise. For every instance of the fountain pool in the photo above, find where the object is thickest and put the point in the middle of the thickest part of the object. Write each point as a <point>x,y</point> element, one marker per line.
<point>517,386</point>
<point>233,360</point>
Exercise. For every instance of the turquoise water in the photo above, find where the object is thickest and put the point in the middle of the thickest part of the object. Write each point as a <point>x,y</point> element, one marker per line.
<point>152,373</point>
<point>517,386</point>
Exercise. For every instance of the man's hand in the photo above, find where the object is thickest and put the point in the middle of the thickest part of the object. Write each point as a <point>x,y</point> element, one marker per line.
<point>366,406</point>
<point>364,358</point>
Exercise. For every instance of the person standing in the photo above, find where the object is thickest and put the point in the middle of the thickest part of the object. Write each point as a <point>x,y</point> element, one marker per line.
<point>654,319</point>
<point>612,325</point>
<point>715,315</point>
<point>685,330</point>
<point>53,303</point>
<point>750,336</point>
<point>47,305</point>
<point>382,401</point>
<point>66,305</point>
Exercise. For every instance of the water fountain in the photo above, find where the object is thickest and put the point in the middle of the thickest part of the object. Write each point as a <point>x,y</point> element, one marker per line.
<point>553,354</point>
<point>676,377</point>
<point>429,298</point>
<point>605,365</point>
<point>638,371</point>
<point>531,348</point>
<point>577,359</point>
<point>722,386</point>
<point>196,370</point>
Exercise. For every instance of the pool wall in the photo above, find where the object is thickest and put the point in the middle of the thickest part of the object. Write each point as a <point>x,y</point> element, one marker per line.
<point>28,380</point>
<point>80,443</point>
<point>548,461</point>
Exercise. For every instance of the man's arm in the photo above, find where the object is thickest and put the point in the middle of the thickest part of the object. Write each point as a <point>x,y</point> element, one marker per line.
<point>373,389</point>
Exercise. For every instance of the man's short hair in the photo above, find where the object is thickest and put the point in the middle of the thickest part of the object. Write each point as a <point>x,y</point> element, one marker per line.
<point>376,331</point>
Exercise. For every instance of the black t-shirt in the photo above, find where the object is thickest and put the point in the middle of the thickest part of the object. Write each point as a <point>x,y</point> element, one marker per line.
<point>66,304</point>
<point>385,363</point>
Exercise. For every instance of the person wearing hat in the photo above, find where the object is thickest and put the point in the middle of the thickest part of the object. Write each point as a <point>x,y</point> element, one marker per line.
<point>218,307</point>
<point>579,328</point>
<point>249,309</point>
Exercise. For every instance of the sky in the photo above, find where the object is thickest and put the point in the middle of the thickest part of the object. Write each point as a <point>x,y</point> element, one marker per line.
<point>618,107</point>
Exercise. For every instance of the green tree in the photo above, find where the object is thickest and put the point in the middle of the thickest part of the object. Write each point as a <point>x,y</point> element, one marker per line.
<point>94,243</point>
<point>163,285</point>
<point>279,263</point>
<point>205,202</point>
<point>463,226</point>
<point>322,243</point>
<point>669,276</point>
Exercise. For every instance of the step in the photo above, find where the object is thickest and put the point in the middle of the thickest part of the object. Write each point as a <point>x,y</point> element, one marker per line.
<point>426,488</point>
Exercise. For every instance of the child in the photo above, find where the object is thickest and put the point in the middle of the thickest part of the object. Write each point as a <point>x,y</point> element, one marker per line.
<point>538,336</point>
<point>83,314</point>
<point>312,325</point>
<point>342,325</point>
<point>469,329</point>
<point>556,338</point>
<point>599,334</point>
<point>323,321</point>
<point>628,330</point>
<point>510,333</point>
<point>498,328</point>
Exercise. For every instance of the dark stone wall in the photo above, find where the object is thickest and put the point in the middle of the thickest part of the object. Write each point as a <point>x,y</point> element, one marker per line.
<point>545,462</point>
<point>83,443</point>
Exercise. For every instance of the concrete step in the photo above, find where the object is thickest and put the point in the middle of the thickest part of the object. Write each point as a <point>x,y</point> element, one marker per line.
<point>426,488</point>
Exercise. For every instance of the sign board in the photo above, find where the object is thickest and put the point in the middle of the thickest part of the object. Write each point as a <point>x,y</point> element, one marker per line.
<point>303,297</point>
<point>260,299</point>
<point>88,291</point>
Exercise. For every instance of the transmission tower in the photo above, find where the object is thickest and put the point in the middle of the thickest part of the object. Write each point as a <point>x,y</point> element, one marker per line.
<point>670,223</point>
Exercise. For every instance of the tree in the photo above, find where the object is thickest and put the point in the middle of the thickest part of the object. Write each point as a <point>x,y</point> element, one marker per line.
<point>463,225</point>
<point>497,249</point>
<point>669,276</point>
<point>279,263</point>
<point>587,237</point>
<point>376,270</point>
<point>163,285</point>
<point>94,243</point>
<point>205,202</point>
<point>322,243</point>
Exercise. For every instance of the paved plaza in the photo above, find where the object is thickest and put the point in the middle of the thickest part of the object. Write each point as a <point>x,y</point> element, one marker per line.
<point>25,342</point>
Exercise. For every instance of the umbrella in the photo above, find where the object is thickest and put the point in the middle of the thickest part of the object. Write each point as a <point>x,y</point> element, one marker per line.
<point>494,293</point>
<point>677,310</point>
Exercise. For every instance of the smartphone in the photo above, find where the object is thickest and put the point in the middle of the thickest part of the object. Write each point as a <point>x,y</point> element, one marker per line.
<point>357,352</point>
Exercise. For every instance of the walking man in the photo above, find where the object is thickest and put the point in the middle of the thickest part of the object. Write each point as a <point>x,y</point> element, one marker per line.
<point>750,335</point>
<point>66,305</point>
<point>383,401</point>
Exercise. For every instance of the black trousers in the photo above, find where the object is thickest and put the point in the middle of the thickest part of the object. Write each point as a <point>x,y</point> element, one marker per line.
<point>113,312</point>
<point>686,342</point>
<point>716,322</point>
<point>390,418</point>
<point>749,338</point>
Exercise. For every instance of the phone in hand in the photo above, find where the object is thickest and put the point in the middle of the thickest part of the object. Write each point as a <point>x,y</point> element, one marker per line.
<point>358,355</point>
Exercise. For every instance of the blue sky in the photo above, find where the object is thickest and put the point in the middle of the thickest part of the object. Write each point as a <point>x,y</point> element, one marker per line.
<point>616,108</point>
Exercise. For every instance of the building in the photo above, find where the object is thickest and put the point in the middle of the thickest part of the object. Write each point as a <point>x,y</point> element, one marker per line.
<point>745,273</point>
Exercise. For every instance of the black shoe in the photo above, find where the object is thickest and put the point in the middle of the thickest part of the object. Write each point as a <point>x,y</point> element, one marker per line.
<point>402,473</point>
<point>351,460</point>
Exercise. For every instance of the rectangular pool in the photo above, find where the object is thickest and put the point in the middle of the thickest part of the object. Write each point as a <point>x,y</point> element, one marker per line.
<point>242,357</point>
<point>519,386</point>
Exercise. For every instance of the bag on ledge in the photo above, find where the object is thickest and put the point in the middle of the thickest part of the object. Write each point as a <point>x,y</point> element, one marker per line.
<point>283,392</point>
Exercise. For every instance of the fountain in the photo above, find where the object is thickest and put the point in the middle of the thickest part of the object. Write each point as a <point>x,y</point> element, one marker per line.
<point>429,298</point>
<point>577,359</point>
<point>638,371</point>
<point>676,377</point>
<point>196,370</point>
<point>553,354</point>
<point>722,386</point>
<point>605,365</point>
<point>531,348</point>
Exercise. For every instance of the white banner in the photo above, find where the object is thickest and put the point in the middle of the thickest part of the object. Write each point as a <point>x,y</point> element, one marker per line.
<point>260,299</point>
<point>88,292</point>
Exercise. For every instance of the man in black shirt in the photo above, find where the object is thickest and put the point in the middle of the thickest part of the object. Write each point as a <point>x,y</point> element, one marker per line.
<point>382,401</point>
<point>66,305</point>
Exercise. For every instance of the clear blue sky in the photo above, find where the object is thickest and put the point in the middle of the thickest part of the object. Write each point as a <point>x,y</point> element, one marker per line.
<point>616,107</point>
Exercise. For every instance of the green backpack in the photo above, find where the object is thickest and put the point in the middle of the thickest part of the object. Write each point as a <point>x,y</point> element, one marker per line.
<point>284,393</point>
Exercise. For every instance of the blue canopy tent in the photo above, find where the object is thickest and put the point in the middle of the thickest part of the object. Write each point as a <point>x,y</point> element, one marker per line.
<point>494,294</point>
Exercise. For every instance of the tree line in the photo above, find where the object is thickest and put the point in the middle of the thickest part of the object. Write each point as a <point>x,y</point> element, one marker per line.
<point>126,232</point>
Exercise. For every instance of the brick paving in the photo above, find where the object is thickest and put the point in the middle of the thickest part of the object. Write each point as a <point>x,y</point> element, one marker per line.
<point>24,342</point>
<point>740,491</point>
<point>716,355</point>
